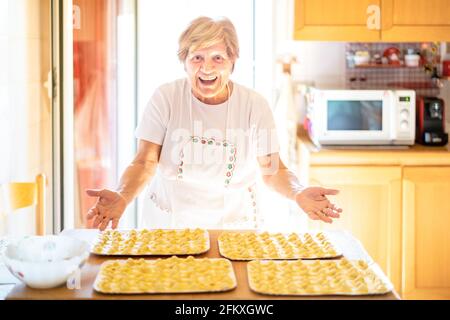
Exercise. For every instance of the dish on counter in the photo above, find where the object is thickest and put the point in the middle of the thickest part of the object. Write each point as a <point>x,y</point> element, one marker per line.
<point>43,262</point>
<point>171,275</point>
<point>253,245</point>
<point>151,242</point>
<point>320,277</point>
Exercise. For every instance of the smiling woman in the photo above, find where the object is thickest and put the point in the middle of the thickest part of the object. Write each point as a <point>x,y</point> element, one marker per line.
<point>201,139</point>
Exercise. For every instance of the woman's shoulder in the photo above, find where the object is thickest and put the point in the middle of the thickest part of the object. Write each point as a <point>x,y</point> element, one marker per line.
<point>167,94</point>
<point>253,96</point>
<point>172,87</point>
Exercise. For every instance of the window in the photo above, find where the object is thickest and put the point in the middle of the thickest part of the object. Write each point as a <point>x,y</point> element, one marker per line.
<point>160,24</point>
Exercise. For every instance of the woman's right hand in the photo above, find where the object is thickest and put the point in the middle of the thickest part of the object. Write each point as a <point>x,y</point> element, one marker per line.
<point>109,207</point>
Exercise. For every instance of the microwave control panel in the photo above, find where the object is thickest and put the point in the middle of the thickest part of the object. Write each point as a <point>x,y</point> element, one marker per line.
<point>405,101</point>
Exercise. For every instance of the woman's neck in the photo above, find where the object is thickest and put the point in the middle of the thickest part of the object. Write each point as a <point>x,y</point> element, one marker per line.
<point>219,98</point>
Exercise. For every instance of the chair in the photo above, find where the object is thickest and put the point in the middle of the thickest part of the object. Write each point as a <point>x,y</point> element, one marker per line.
<point>24,194</point>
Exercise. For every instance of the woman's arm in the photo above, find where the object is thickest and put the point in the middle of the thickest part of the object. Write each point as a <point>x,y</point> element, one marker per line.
<point>312,200</point>
<point>278,177</point>
<point>111,204</point>
<point>140,170</point>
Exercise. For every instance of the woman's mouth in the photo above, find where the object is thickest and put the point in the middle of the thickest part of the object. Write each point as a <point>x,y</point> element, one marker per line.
<point>207,81</point>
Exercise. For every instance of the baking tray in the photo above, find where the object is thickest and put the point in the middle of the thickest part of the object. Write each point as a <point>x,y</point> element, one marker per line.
<point>281,256</point>
<point>231,277</point>
<point>135,252</point>
<point>376,280</point>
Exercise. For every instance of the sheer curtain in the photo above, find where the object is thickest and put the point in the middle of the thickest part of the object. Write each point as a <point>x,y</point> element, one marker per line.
<point>104,99</point>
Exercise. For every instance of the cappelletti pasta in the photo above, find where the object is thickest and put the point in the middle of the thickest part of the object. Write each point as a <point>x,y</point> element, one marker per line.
<point>252,245</point>
<point>171,275</point>
<point>151,242</point>
<point>319,277</point>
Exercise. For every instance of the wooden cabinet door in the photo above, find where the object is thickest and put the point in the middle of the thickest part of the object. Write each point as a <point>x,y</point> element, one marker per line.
<point>415,20</point>
<point>371,201</point>
<point>426,233</point>
<point>334,20</point>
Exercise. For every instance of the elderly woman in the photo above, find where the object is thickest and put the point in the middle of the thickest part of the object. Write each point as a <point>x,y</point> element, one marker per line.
<point>203,140</point>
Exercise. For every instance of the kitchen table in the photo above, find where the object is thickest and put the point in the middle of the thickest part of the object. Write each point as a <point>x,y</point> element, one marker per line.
<point>350,247</point>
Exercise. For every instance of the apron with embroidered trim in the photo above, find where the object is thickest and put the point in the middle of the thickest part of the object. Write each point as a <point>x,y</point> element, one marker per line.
<point>203,194</point>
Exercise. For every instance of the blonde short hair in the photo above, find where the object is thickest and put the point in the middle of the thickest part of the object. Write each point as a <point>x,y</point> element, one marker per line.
<point>205,32</point>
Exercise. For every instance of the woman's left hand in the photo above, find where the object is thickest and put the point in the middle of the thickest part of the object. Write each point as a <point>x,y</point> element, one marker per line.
<point>315,204</point>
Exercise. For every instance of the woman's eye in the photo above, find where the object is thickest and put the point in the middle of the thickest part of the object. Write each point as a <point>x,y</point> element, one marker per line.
<point>218,58</point>
<point>197,58</point>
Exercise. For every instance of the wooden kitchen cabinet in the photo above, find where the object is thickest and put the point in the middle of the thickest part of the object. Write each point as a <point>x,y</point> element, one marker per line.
<point>333,20</point>
<point>415,20</point>
<point>371,200</point>
<point>397,203</point>
<point>346,20</point>
<point>426,234</point>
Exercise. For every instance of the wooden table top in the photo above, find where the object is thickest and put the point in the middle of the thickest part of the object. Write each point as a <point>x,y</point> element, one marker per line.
<point>241,292</point>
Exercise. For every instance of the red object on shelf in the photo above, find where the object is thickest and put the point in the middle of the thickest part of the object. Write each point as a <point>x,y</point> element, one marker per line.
<point>390,52</point>
<point>446,68</point>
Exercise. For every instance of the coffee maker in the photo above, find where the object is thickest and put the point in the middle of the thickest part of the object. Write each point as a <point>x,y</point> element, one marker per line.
<point>430,121</point>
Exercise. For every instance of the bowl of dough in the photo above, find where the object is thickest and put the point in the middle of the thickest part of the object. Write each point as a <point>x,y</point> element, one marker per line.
<point>43,262</point>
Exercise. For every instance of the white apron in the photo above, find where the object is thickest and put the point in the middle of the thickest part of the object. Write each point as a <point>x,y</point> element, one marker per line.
<point>202,194</point>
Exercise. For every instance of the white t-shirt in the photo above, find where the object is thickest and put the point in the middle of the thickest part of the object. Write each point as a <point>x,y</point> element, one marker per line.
<point>174,116</point>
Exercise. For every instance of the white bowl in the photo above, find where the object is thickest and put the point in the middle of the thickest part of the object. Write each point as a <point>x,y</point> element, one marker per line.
<point>45,261</point>
<point>412,60</point>
<point>360,60</point>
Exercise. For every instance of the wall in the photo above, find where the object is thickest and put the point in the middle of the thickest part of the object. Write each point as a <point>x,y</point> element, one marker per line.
<point>25,115</point>
<point>320,62</point>
<point>445,94</point>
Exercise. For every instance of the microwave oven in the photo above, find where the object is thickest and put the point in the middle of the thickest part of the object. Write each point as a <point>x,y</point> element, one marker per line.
<point>361,117</point>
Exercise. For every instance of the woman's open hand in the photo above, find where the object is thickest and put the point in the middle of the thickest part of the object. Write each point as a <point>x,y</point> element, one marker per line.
<point>110,206</point>
<point>314,203</point>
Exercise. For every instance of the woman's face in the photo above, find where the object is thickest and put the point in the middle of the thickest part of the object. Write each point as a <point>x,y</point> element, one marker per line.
<point>209,70</point>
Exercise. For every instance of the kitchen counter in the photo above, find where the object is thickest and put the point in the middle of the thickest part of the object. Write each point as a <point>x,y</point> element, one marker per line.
<point>416,155</point>
<point>350,247</point>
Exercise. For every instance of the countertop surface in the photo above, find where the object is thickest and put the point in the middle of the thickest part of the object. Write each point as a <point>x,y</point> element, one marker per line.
<point>350,247</point>
<point>416,155</point>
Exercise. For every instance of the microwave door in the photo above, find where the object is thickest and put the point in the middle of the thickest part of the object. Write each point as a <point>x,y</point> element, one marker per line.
<point>355,122</point>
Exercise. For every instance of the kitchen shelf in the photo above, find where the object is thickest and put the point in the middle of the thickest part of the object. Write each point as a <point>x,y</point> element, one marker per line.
<point>411,85</point>
<point>383,66</point>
